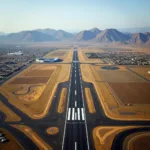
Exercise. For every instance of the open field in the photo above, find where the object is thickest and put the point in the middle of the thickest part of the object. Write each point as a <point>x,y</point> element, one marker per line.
<point>143,71</point>
<point>10,115</point>
<point>12,144</point>
<point>62,101</point>
<point>29,80</point>
<point>33,98</point>
<point>104,135</point>
<point>132,93</point>
<point>137,141</point>
<point>125,97</point>
<point>84,59</point>
<point>65,55</point>
<point>89,100</point>
<point>33,136</point>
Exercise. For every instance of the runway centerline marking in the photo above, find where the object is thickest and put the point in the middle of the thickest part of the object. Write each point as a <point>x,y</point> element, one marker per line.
<point>75,92</point>
<point>75,103</point>
<point>75,145</point>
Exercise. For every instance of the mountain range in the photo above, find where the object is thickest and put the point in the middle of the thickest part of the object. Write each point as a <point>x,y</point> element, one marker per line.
<point>93,35</point>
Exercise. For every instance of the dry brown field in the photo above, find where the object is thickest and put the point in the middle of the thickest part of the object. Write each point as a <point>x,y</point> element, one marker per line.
<point>29,80</point>
<point>33,136</point>
<point>38,73</point>
<point>122,93</point>
<point>143,71</point>
<point>62,101</point>
<point>33,98</point>
<point>10,115</point>
<point>89,100</point>
<point>137,141</point>
<point>13,144</point>
<point>65,55</point>
<point>103,136</point>
<point>132,93</point>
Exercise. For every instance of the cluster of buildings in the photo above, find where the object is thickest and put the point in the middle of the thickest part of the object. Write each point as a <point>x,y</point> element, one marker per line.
<point>11,62</point>
<point>47,60</point>
<point>122,58</point>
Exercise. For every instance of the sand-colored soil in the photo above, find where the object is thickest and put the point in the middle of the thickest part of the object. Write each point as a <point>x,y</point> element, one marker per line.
<point>37,101</point>
<point>12,144</point>
<point>137,141</point>
<point>33,136</point>
<point>104,136</point>
<point>29,80</point>
<point>62,101</point>
<point>52,130</point>
<point>65,55</point>
<point>111,101</point>
<point>84,59</point>
<point>89,100</point>
<point>143,71</point>
<point>10,115</point>
<point>132,93</point>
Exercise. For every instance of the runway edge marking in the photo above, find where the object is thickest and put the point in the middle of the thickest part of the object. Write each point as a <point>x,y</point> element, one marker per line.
<point>84,114</point>
<point>67,110</point>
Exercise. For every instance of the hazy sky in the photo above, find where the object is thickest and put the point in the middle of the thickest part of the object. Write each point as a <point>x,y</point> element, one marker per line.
<point>73,15</point>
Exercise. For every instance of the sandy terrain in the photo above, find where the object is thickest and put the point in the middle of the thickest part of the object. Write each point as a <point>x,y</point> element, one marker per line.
<point>62,101</point>
<point>89,100</point>
<point>10,115</point>
<point>36,102</point>
<point>132,93</point>
<point>129,89</point>
<point>104,136</point>
<point>13,144</point>
<point>137,141</point>
<point>143,71</point>
<point>33,136</point>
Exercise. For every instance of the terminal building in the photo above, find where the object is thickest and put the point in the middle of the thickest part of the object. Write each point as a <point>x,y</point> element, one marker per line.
<point>47,60</point>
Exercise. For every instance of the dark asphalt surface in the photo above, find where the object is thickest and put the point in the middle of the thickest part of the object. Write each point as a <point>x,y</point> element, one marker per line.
<point>75,131</point>
<point>75,126</point>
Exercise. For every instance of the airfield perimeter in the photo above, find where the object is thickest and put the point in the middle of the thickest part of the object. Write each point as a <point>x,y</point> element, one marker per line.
<point>80,103</point>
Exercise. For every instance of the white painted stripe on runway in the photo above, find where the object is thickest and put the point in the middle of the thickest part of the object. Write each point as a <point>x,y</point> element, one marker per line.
<point>82,114</point>
<point>69,113</point>
<point>75,82</point>
<point>75,145</point>
<point>75,103</point>
<point>72,113</point>
<point>75,92</point>
<point>75,116</point>
<point>78,113</point>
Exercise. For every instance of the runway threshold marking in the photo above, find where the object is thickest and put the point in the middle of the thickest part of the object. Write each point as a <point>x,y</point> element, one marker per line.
<point>72,113</point>
<point>69,113</point>
<point>75,145</point>
<point>75,116</point>
<point>78,113</point>
<point>83,118</point>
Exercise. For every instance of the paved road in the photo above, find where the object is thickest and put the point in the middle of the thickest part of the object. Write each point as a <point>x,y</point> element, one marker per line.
<point>75,132</point>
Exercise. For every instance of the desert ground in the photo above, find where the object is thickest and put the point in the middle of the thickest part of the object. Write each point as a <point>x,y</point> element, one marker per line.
<point>32,92</point>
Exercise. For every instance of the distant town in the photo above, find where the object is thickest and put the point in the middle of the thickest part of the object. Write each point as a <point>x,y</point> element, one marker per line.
<point>122,58</point>
<point>13,61</point>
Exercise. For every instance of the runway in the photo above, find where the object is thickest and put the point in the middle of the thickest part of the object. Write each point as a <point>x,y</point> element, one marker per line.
<point>75,132</point>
